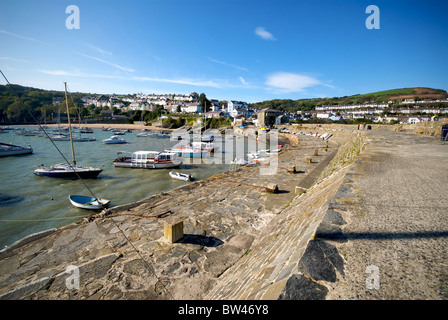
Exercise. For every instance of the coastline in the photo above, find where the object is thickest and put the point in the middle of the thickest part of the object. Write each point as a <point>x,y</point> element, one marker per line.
<point>120,126</point>
<point>214,211</point>
<point>242,242</point>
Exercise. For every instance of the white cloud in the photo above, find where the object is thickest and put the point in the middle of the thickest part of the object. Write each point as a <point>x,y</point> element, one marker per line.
<point>75,73</point>
<point>24,38</point>
<point>103,52</point>
<point>14,59</point>
<point>285,82</point>
<point>192,82</point>
<point>243,81</point>
<point>263,34</point>
<point>108,63</point>
<point>228,64</point>
<point>214,83</point>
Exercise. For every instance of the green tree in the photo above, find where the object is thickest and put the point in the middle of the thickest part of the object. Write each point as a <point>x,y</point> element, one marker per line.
<point>204,103</point>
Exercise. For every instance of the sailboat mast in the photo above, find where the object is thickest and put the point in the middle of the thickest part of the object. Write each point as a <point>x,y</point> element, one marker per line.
<point>69,124</point>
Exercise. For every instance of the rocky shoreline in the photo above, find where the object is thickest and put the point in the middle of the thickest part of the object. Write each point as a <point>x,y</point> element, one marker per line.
<point>313,239</point>
<point>122,253</point>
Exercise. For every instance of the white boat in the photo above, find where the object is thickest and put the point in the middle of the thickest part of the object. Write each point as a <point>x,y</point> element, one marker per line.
<point>13,150</point>
<point>159,135</point>
<point>27,132</point>
<point>83,139</point>
<point>181,176</point>
<point>85,130</point>
<point>67,170</point>
<point>114,140</point>
<point>149,160</point>
<point>59,137</point>
<point>239,161</point>
<point>90,203</point>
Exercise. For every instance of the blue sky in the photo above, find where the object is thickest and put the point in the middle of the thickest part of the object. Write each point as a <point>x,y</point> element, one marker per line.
<point>229,49</point>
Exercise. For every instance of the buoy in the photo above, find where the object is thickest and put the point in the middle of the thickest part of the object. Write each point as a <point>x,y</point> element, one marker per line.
<point>51,198</point>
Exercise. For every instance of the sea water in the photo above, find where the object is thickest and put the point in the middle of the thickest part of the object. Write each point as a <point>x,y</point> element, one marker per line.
<point>30,203</point>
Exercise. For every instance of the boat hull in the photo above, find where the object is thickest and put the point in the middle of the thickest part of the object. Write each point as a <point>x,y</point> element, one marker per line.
<point>56,172</point>
<point>180,176</point>
<point>89,203</point>
<point>145,165</point>
<point>13,150</point>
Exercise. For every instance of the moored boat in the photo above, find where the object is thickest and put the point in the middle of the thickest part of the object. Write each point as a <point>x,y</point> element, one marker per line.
<point>89,203</point>
<point>13,150</point>
<point>114,140</point>
<point>66,170</point>
<point>181,176</point>
<point>149,160</point>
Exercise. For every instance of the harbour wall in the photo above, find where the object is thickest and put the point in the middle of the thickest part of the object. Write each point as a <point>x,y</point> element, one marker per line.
<point>240,240</point>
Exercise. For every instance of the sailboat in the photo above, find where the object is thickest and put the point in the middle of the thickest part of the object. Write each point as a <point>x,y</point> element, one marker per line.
<point>67,170</point>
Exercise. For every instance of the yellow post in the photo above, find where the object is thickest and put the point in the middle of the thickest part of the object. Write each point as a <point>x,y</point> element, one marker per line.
<point>174,231</point>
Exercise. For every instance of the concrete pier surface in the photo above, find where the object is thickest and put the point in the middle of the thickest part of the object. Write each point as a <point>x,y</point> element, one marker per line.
<point>395,205</point>
<point>347,225</point>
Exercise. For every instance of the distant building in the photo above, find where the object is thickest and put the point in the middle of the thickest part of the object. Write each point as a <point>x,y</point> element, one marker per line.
<point>267,117</point>
<point>214,114</point>
<point>193,107</point>
<point>233,105</point>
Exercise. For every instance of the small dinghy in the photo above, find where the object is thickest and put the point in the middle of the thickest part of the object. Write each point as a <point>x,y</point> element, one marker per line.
<point>90,203</point>
<point>181,176</point>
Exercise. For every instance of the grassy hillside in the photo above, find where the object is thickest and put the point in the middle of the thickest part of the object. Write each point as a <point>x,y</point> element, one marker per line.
<point>395,95</point>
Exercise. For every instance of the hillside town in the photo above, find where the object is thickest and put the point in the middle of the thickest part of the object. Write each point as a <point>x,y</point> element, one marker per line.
<point>410,111</point>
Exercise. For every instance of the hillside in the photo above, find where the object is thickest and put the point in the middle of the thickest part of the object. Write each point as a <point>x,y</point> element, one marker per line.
<point>40,101</point>
<point>395,95</point>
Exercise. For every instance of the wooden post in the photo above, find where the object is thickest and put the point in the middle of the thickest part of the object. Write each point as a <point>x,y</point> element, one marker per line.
<point>292,169</point>
<point>174,230</point>
<point>272,187</point>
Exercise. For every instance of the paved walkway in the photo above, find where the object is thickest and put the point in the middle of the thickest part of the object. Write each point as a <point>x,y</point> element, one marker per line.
<point>395,242</point>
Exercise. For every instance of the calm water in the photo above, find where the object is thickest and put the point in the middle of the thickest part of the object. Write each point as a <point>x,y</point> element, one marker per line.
<point>29,203</point>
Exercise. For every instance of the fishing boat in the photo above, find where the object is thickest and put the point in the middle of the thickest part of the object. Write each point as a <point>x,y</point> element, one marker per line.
<point>193,149</point>
<point>181,176</point>
<point>188,152</point>
<point>114,140</point>
<point>89,203</point>
<point>68,170</point>
<point>148,160</point>
<point>13,150</point>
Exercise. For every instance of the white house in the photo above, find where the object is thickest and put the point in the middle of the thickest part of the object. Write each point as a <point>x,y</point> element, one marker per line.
<point>232,105</point>
<point>323,115</point>
<point>193,107</point>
